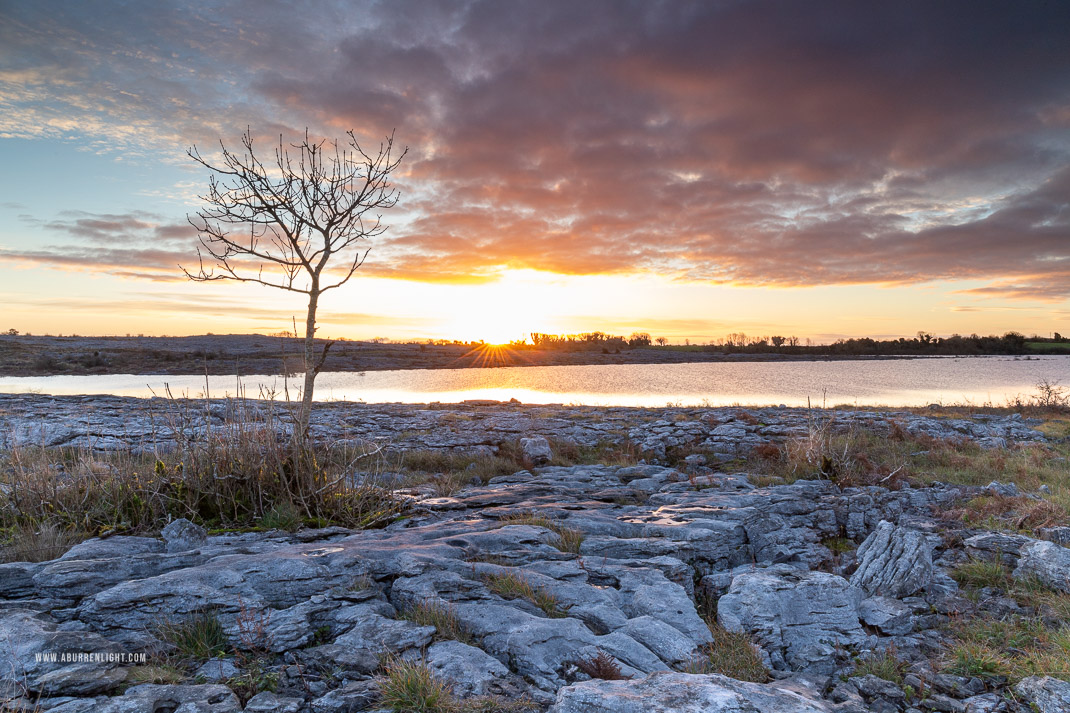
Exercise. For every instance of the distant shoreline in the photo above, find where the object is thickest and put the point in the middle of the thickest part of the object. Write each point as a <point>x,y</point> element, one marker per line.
<point>247,354</point>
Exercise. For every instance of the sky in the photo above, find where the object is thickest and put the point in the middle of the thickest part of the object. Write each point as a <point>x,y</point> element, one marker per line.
<point>689,169</point>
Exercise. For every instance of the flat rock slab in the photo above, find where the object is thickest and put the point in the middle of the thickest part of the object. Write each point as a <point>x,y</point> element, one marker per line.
<point>681,693</point>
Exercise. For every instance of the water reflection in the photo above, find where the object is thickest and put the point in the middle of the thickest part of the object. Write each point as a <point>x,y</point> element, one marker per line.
<point>908,382</point>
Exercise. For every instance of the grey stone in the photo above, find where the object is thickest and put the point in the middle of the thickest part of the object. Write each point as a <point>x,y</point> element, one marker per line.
<point>182,535</point>
<point>681,693</point>
<point>267,702</point>
<point>891,616</point>
<point>150,698</point>
<point>1047,562</point>
<point>470,671</point>
<point>801,620</point>
<point>1049,695</point>
<point>894,561</point>
<point>871,687</point>
<point>216,671</point>
<point>1006,490</point>
<point>985,703</point>
<point>942,703</point>
<point>350,698</point>
<point>992,545</point>
<point>1059,535</point>
<point>536,449</point>
<point>74,669</point>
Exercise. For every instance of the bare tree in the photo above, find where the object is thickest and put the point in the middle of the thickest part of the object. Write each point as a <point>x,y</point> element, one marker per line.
<point>296,223</point>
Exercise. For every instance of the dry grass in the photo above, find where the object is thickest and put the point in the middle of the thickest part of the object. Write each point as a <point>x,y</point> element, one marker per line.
<point>509,585</point>
<point>199,636</point>
<point>22,542</point>
<point>440,615</point>
<point>731,654</point>
<point>998,512</point>
<point>1014,646</point>
<point>884,664</point>
<point>887,457</point>
<point>412,687</point>
<point>568,539</point>
<point>248,474</point>
<point>163,673</point>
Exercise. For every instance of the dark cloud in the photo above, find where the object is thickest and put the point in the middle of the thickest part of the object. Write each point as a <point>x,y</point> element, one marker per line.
<point>762,142</point>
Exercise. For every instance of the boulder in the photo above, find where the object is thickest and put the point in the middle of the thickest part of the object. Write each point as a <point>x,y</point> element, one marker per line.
<point>671,692</point>
<point>1047,562</point>
<point>894,562</point>
<point>182,535</point>
<point>800,619</point>
<point>536,449</point>
<point>891,616</point>
<point>469,671</point>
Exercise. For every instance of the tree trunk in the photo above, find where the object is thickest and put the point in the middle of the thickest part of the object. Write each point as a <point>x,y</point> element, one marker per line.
<point>310,361</point>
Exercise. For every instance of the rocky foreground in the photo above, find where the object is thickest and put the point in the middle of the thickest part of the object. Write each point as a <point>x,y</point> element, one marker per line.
<point>530,591</point>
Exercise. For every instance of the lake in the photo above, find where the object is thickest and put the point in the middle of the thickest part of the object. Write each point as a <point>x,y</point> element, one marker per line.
<point>898,382</point>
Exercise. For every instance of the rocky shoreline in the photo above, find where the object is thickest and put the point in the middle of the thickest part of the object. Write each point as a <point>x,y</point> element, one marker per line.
<point>115,423</point>
<point>511,591</point>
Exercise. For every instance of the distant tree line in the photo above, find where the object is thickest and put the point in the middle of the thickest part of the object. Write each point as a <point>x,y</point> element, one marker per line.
<point>924,343</point>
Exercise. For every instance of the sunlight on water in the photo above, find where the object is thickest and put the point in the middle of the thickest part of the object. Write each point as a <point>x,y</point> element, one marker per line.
<point>905,382</point>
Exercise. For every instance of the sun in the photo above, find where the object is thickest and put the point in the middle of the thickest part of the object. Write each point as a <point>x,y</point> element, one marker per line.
<point>503,311</point>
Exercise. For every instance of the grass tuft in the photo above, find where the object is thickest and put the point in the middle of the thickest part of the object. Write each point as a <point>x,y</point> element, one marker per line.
<point>440,615</point>
<point>884,664</point>
<point>411,687</point>
<point>568,539</point>
<point>509,585</point>
<point>731,654</point>
<point>199,636</point>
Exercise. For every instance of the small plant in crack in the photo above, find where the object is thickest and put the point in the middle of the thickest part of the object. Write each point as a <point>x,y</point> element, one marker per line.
<point>602,666</point>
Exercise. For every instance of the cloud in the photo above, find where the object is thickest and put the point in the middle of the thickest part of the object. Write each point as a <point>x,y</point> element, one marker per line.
<point>135,245</point>
<point>763,142</point>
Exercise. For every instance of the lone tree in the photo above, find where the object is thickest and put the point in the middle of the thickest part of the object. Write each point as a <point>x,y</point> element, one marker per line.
<point>296,223</point>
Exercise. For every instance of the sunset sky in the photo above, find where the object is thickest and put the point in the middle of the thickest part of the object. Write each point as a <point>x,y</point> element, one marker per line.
<point>690,169</point>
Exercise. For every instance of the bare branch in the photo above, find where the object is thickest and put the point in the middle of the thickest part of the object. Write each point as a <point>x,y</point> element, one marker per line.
<point>310,208</point>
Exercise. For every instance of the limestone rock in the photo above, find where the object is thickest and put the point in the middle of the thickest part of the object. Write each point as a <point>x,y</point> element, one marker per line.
<point>267,702</point>
<point>799,619</point>
<point>27,646</point>
<point>182,535</point>
<point>207,698</point>
<point>894,562</point>
<point>470,671</point>
<point>681,693</point>
<point>891,616</point>
<point>992,545</point>
<point>1047,562</point>
<point>536,449</point>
